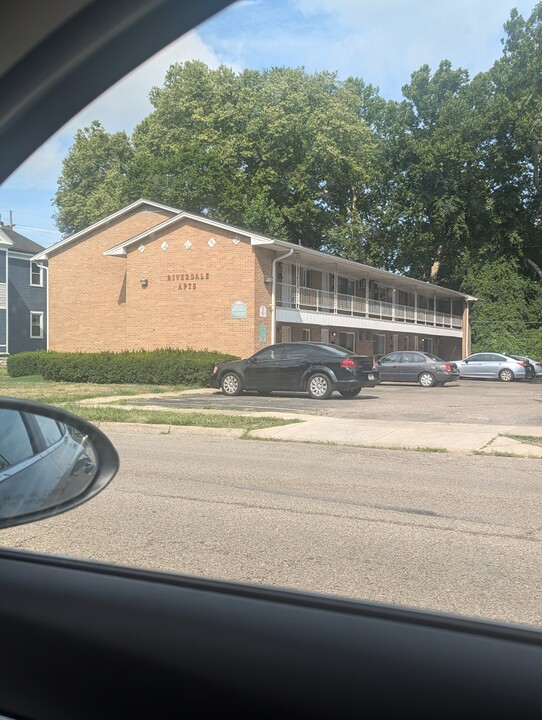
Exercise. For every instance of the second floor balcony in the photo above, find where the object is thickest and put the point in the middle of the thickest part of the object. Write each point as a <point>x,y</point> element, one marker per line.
<point>324,301</point>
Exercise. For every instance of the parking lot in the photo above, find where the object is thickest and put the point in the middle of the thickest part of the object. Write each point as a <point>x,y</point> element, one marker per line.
<point>467,401</point>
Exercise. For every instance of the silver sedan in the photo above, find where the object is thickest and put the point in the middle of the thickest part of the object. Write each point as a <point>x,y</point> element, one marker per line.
<point>492,366</point>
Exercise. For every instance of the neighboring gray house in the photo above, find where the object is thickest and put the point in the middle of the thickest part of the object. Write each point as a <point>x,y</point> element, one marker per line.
<point>23,294</point>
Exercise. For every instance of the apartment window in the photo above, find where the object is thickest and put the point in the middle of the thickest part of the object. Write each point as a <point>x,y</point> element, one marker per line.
<point>379,344</point>
<point>306,278</point>
<point>427,345</point>
<point>306,335</point>
<point>36,324</point>
<point>36,275</point>
<point>346,340</point>
<point>346,286</point>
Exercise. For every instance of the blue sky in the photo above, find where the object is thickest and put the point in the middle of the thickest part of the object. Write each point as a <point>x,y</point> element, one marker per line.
<point>381,41</point>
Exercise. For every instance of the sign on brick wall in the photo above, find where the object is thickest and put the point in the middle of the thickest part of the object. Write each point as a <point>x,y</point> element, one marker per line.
<point>239,309</point>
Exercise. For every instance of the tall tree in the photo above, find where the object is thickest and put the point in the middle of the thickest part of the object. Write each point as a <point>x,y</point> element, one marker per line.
<point>93,179</point>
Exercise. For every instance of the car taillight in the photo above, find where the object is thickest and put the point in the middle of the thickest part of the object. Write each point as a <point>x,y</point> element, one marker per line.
<point>348,363</point>
<point>520,362</point>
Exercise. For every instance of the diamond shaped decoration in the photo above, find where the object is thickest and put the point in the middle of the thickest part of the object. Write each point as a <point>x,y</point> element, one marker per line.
<point>164,245</point>
<point>236,240</point>
<point>141,248</point>
<point>188,244</point>
<point>211,242</point>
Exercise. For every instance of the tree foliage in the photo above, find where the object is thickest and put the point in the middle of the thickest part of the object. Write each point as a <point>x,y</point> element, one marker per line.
<point>444,185</point>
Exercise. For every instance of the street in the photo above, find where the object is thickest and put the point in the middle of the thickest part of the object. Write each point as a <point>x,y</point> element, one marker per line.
<point>443,531</point>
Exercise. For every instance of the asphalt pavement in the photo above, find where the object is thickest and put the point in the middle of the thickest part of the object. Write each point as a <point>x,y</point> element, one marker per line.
<point>366,432</point>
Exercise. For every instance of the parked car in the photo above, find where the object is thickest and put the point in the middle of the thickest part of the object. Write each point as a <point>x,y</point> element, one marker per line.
<point>533,367</point>
<point>492,366</point>
<point>316,368</point>
<point>424,368</point>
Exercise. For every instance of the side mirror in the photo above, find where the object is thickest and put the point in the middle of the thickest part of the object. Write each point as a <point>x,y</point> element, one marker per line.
<point>50,461</point>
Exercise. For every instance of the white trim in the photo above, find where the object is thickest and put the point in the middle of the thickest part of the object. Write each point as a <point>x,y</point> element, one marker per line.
<point>40,336</point>
<point>138,203</point>
<point>46,268</point>
<point>120,249</point>
<point>4,239</point>
<point>18,255</point>
<point>306,317</point>
<point>32,263</point>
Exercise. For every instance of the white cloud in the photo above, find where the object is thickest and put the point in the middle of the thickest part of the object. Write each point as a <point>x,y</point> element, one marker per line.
<point>384,41</point>
<point>126,103</point>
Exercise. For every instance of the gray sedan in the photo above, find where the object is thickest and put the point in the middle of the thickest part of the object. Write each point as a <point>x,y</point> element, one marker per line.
<point>421,367</point>
<point>492,366</point>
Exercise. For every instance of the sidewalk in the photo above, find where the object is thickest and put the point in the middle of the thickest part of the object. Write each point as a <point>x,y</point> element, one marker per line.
<point>445,437</point>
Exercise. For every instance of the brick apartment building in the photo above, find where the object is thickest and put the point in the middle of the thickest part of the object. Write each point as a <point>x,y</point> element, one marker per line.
<point>150,276</point>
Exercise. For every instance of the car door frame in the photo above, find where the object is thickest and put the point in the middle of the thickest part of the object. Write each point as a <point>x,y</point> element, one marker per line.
<point>262,374</point>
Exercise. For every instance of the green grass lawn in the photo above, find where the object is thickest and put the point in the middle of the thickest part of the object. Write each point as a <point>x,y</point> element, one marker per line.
<point>66,395</point>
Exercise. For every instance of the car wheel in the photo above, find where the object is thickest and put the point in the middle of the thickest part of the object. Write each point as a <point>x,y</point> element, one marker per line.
<point>506,375</point>
<point>231,384</point>
<point>529,372</point>
<point>319,386</point>
<point>426,379</point>
<point>350,393</point>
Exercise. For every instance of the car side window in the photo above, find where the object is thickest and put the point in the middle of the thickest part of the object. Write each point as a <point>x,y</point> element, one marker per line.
<point>495,358</point>
<point>270,353</point>
<point>15,443</point>
<point>391,358</point>
<point>50,430</point>
<point>410,357</point>
<point>297,352</point>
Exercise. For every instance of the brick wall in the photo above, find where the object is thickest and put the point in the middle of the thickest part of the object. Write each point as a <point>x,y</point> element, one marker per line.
<point>98,303</point>
<point>188,300</point>
<point>87,293</point>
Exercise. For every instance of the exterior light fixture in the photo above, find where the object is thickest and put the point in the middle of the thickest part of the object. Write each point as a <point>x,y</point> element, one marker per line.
<point>268,279</point>
<point>144,282</point>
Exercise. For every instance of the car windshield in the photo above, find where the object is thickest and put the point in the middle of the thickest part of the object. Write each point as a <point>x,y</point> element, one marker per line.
<point>363,177</point>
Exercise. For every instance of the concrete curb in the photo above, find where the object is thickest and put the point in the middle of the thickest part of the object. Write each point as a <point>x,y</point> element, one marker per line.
<point>407,435</point>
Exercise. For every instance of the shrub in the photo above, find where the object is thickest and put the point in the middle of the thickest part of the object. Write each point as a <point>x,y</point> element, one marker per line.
<point>164,367</point>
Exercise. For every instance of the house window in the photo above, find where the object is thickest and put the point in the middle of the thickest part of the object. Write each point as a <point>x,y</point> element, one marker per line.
<point>36,274</point>
<point>427,345</point>
<point>306,335</point>
<point>379,342</point>
<point>346,286</point>
<point>306,278</point>
<point>346,340</point>
<point>36,324</point>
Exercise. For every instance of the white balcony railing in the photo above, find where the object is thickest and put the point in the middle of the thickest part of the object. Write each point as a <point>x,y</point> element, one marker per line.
<point>305,298</point>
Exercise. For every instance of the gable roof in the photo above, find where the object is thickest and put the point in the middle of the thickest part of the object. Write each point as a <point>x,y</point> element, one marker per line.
<point>255,238</point>
<point>104,221</point>
<point>278,246</point>
<point>17,242</point>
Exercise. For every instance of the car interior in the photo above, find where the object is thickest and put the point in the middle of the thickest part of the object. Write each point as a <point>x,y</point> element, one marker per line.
<point>83,639</point>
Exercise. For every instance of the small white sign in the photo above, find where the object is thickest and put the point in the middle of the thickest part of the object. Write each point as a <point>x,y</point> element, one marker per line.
<point>263,310</point>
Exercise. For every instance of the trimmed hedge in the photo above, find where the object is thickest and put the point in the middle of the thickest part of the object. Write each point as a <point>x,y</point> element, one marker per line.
<point>154,367</point>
